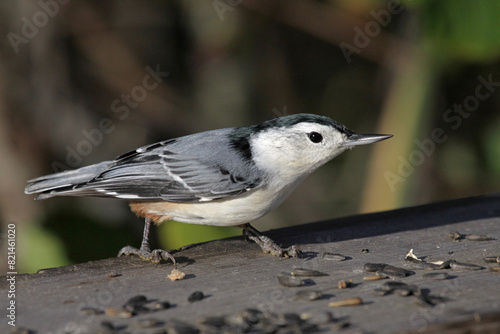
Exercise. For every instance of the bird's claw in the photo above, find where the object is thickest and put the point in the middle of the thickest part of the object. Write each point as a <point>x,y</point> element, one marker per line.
<point>268,246</point>
<point>154,256</point>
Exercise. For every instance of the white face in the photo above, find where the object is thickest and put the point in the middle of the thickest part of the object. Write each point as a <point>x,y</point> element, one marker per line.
<point>294,152</point>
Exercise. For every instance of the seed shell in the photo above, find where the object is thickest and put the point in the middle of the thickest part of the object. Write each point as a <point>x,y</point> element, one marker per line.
<point>308,295</point>
<point>333,257</point>
<point>306,272</point>
<point>343,284</point>
<point>118,312</point>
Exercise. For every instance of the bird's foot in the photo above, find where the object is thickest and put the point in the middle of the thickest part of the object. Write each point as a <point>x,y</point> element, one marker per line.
<point>146,254</point>
<point>268,246</point>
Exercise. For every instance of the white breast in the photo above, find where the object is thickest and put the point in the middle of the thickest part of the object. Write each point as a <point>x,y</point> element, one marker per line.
<point>233,211</point>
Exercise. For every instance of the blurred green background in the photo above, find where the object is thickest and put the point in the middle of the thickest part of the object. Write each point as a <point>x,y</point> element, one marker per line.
<point>426,71</point>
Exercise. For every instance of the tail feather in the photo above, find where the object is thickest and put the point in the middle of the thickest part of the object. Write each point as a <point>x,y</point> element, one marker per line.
<point>64,182</point>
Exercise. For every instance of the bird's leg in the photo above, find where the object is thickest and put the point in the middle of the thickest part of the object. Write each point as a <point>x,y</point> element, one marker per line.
<point>267,245</point>
<point>145,252</point>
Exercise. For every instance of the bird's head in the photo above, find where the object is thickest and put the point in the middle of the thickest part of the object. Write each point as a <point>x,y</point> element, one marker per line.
<point>294,146</point>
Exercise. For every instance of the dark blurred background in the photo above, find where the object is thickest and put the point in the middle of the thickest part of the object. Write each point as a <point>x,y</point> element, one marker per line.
<point>84,81</point>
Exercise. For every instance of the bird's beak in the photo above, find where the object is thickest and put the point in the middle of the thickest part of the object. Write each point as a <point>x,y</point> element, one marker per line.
<point>357,139</point>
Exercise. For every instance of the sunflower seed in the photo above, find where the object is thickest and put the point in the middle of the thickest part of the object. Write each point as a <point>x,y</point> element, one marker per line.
<point>491,259</point>
<point>288,280</point>
<point>474,237</point>
<point>90,311</point>
<point>365,250</point>
<point>495,269</point>
<point>333,257</point>
<point>464,266</point>
<point>308,294</point>
<point>436,276</point>
<point>196,296</point>
<point>306,272</point>
<point>374,266</point>
<point>347,302</point>
<point>395,272</point>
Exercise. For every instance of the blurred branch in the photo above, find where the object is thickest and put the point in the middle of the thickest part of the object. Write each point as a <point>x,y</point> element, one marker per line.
<point>118,65</point>
<point>329,24</point>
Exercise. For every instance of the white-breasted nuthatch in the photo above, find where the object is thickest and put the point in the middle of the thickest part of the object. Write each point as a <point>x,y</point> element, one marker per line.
<point>225,177</point>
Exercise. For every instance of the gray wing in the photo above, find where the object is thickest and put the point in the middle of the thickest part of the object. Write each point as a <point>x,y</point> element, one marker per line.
<point>200,167</point>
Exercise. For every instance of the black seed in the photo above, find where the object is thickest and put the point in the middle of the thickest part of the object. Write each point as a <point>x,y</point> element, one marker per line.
<point>196,296</point>
<point>137,301</point>
<point>180,327</point>
<point>214,321</point>
<point>374,266</point>
<point>252,316</point>
<point>391,286</point>
<point>306,272</point>
<point>437,276</point>
<point>288,280</point>
<point>107,325</point>
<point>408,291</point>
<point>445,264</point>
<point>290,319</point>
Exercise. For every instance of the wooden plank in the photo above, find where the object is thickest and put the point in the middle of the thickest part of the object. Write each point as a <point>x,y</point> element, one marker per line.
<point>235,275</point>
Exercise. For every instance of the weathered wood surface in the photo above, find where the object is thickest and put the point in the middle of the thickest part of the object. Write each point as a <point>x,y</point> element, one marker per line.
<point>235,275</point>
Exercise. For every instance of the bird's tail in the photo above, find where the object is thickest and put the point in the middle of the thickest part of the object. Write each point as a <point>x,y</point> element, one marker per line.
<point>65,183</point>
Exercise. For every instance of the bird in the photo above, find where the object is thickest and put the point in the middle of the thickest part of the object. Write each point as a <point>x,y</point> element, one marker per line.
<point>224,177</point>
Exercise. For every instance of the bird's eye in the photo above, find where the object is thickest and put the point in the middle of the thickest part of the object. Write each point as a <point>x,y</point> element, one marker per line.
<point>315,137</point>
